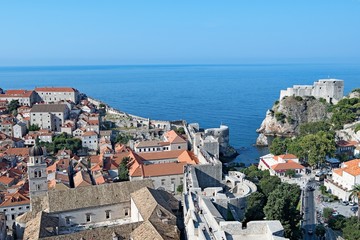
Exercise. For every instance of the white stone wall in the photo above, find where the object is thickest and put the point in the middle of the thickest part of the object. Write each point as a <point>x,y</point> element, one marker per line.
<point>49,97</point>
<point>178,146</point>
<point>135,214</point>
<point>90,142</point>
<point>43,120</point>
<point>332,90</point>
<point>169,182</point>
<point>97,214</point>
<point>19,130</point>
<point>11,212</point>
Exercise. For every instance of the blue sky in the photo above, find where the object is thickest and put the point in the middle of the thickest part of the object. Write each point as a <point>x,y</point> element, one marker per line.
<point>179,32</point>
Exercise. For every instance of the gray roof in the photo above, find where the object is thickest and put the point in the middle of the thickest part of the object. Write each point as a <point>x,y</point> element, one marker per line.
<point>94,196</point>
<point>49,108</point>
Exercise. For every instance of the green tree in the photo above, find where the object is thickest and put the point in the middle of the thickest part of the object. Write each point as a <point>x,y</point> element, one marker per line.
<point>34,127</point>
<point>278,146</point>
<point>337,222</point>
<point>351,231</point>
<point>314,127</point>
<point>180,130</point>
<point>255,205</point>
<point>13,106</point>
<point>355,194</point>
<point>290,173</point>
<point>268,184</point>
<point>281,205</point>
<point>327,213</point>
<point>123,171</point>
<point>320,231</point>
<point>123,138</point>
<point>180,188</point>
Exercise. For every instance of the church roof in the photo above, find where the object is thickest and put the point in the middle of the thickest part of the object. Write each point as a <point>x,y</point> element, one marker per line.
<point>94,196</point>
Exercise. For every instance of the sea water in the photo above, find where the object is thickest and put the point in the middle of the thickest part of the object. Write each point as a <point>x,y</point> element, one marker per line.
<point>234,95</point>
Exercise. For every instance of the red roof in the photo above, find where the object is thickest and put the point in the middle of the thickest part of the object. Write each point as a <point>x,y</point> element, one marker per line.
<point>54,89</point>
<point>343,143</point>
<point>287,166</point>
<point>17,93</point>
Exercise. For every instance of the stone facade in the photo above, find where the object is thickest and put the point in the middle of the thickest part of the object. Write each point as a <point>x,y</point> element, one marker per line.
<point>332,90</point>
<point>49,116</point>
<point>56,94</point>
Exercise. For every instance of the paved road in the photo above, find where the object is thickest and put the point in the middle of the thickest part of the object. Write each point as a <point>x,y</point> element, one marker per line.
<point>309,214</point>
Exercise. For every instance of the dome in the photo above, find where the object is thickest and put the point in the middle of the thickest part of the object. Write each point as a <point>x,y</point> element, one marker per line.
<point>36,151</point>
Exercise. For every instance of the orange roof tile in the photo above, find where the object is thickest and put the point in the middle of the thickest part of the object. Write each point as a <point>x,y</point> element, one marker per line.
<point>352,167</point>
<point>164,169</point>
<point>90,133</point>
<point>6,180</point>
<point>173,137</point>
<point>286,166</point>
<point>15,199</point>
<point>343,143</point>
<point>161,155</point>
<point>54,89</point>
<point>287,156</point>
<point>338,171</point>
<point>17,93</point>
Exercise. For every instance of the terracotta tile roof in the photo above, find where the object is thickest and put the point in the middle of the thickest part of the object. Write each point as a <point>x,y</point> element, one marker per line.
<point>6,180</point>
<point>90,133</point>
<point>17,93</point>
<point>338,171</point>
<point>352,167</point>
<point>173,137</point>
<point>343,143</point>
<point>288,156</point>
<point>161,155</point>
<point>15,199</point>
<point>188,157</point>
<point>286,166</point>
<point>63,177</point>
<point>82,179</point>
<point>55,89</point>
<point>163,169</point>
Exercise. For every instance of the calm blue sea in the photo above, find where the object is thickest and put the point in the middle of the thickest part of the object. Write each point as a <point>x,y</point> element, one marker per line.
<point>235,95</point>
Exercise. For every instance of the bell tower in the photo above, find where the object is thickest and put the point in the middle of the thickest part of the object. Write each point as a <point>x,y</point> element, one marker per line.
<point>37,172</point>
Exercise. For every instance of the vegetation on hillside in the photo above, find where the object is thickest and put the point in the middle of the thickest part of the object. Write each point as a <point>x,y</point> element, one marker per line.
<point>123,138</point>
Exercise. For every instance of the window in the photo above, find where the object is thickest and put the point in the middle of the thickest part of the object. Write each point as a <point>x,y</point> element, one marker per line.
<point>20,208</point>
<point>179,147</point>
<point>13,217</point>
<point>126,212</point>
<point>12,209</point>
<point>163,182</point>
<point>27,207</point>
<point>67,220</point>
<point>107,214</point>
<point>88,217</point>
<point>172,180</point>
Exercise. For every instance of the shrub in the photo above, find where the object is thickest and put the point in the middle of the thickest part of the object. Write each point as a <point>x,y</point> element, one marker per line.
<point>298,98</point>
<point>280,117</point>
<point>276,102</point>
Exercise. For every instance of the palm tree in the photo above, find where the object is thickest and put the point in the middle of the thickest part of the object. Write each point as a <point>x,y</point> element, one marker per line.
<point>355,194</point>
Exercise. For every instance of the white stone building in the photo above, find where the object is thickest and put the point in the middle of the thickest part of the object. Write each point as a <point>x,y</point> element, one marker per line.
<point>19,129</point>
<point>332,90</point>
<point>343,179</point>
<point>56,94</point>
<point>125,210</point>
<point>90,140</point>
<point>278,165</point>
<point>49,116</point>
<point>25,97</point>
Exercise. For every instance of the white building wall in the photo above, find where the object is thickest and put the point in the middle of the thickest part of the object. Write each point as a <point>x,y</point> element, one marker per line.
<point>97,214</point>
<point>12,212</point>
<point>169,182</point>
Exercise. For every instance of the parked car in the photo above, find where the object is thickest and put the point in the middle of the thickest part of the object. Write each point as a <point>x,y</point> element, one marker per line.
<point>345,203</point>
<point>352,203</point>
<point>354,209</point>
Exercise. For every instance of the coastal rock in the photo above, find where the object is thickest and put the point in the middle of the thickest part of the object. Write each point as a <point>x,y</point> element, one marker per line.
<point>285,117</point>
<point>262,140</point>
<point>348,133</point>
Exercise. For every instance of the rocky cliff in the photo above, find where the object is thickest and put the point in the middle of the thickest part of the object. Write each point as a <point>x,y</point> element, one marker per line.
<point>286,116</point>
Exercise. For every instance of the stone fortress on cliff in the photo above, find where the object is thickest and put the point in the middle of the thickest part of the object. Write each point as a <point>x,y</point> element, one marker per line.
<point>332,90</point>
